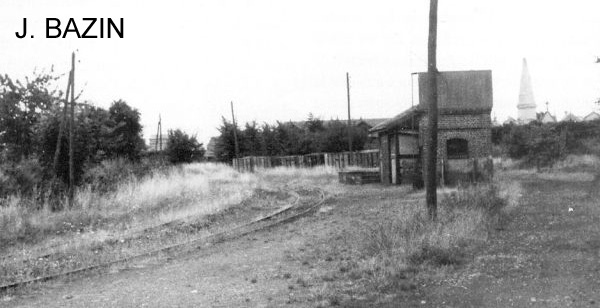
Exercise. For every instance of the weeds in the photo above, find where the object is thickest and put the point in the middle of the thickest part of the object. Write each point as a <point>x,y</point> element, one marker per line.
<point>393,248</point>
<point>136,203</point>
<point>164,207</point>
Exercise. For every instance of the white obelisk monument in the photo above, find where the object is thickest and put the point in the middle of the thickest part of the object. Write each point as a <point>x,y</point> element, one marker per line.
<point>526,104</point>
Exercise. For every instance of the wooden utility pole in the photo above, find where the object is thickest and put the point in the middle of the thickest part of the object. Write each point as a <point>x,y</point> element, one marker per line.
<point>432,116</point>
<point>71,134</point>
<point>158,142</point>
<point>349,119</point>
<point>235,138</point>
<point>61,125</point>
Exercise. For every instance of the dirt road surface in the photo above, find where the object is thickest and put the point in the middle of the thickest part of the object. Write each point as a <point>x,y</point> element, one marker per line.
<point>545,256</point>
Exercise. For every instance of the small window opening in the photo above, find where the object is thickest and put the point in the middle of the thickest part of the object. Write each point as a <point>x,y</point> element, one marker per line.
<point>457,148</point>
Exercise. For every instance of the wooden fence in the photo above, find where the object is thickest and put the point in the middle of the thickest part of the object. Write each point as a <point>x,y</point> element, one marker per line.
<point>362,159</point>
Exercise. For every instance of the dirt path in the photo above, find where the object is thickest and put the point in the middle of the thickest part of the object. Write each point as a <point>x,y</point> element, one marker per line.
<point>547,256</point>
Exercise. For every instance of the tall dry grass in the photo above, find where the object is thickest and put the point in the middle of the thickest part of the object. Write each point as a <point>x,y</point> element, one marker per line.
<point>195,189</point>
<point>398,245</point>
<point>105,226</point>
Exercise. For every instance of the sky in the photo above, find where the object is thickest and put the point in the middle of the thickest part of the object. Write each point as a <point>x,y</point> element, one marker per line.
<point>283,59</point>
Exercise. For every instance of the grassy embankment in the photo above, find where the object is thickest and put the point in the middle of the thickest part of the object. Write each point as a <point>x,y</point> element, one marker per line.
<point>136,203</point>
<point>140,215</point>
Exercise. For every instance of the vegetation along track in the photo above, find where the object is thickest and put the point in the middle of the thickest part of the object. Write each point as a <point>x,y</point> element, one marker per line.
<point>304,202</point>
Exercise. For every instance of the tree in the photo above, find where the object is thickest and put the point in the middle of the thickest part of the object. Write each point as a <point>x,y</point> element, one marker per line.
<point>126,136</point>
<point>544,146</point>
<point>251,144</point>
<point>312,141</point>
<point>225,147</point>
<point>182,148</point>
<point>269,142</point>
<point>21,106</point>
<point>336,137</point>
<point>92,137</point>
<point>289,136</point>
<point>314,124</point>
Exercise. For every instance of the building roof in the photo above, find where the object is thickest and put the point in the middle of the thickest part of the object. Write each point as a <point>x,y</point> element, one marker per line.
<point>404,119</point>
<point>569,117</point>
<point>355,122</point>
<point>547,117</point>
<point>459,90</point>
<point>592,116</point>
<point>369,122</point>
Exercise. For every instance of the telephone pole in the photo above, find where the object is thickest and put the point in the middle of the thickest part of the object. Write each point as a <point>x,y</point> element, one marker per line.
<point>432,116</point>
<point>71,134</point>
<point>349,119</point>
<point>158,142</point>
<point>62,125</point>
<point>235,138</point>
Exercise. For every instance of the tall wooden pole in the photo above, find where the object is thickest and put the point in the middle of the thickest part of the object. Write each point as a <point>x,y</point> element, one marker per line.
<point>432,123</point>
<point>160,133</point>
<point>71,134</point>
<point>235,138</point>
<point>157,133</point>
<point>349,119</point>
<point>62,125</point>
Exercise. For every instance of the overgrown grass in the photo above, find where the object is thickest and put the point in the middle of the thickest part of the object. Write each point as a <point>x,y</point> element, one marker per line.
<point>140,214</point>
<point>136,203</point>
<point>392,248</point>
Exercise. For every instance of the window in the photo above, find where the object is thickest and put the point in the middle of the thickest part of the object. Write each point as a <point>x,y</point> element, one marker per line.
<point>457,148</point>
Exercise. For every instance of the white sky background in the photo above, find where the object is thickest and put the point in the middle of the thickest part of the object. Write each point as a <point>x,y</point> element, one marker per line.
<point>280,60</point>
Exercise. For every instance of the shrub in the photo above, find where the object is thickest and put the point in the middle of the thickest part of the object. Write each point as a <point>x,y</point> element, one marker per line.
<point>126,133</point>
<point>182,148</point>
<point>22,178</point>
<point>109,174</point>
<point>484,197</point>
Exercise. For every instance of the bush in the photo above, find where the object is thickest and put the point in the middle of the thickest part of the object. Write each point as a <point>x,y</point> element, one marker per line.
<point>182,148</point>
<point>542,145</point>
<point>485,197</point>
<point>539,145</point>
<point>107,175</point>
<point>126,134</point>
<point>22,178</point>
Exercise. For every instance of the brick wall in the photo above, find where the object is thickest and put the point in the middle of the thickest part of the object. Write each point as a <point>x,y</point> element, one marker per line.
<point>464,121</point>
<point>475,128</point>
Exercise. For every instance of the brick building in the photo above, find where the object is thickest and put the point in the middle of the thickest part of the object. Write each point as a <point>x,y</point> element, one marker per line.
<point>464,129</point>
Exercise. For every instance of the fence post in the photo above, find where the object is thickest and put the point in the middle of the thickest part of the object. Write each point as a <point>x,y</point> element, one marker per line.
<point>443,168</point>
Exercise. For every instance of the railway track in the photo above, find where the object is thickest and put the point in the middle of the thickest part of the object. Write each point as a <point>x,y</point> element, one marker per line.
<point>304,202</point>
